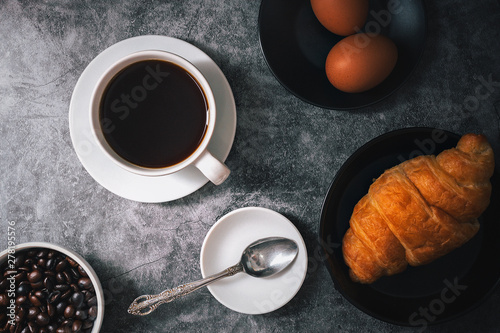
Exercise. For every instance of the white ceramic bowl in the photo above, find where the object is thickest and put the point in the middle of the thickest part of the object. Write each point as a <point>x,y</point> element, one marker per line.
<point>82,262</point>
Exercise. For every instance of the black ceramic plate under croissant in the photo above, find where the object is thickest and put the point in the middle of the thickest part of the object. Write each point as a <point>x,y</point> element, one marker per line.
<point>424,295</point>
<point>295,46</point>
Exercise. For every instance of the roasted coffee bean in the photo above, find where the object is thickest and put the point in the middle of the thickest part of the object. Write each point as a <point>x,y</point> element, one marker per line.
<point>43,330</point>
<point>69,311</point>
<point>4,284</point>
<point>24,330</point>
<point>21,300</point>
<point>34,300</point>
<point>61,287</point>
<point>63,329</point>
<point>34,276</point>
<point>74,273</point>
<point>42,262</point>
<point>61,306</point>
<point>82,271</point>
<point>23,289</point>
<point>60,278</point>
<point>51,263</point>
<point>81,314</point>
<point>42,253</point>
<point>92,314</point>
<point>32,327</point>
<point>19,260</point>
<point>67,277</point>
<point>72,262</point>
<point>61,266</point>
<point>4,300</point>
<point>77,326</point>
<point>51,328</point>
<point>37,285</point>
<point>42,319</point>
<point>51,310</point>
<point>20,276</point>
<point>33,312</point>
<point>54,296</point>
<point>77,299</point>
<point>84,283</point>
<point>66,294</point>
<point>92,301</point>
<point>74,287</point>
<point>48,283</point>
<point>87,324</point>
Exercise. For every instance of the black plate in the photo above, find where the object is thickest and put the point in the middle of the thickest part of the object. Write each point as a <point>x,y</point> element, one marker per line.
<point>295,46</point>
<point>424,295</point>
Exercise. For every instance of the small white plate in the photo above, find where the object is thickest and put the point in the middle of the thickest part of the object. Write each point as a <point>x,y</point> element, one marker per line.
<point>106,172</point>
<point>223,247</point>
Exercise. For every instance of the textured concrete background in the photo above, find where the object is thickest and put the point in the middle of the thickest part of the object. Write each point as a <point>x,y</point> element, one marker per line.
<point>284,157</point>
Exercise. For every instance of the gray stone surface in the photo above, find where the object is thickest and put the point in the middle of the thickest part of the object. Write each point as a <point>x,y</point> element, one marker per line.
<point>284,157</point>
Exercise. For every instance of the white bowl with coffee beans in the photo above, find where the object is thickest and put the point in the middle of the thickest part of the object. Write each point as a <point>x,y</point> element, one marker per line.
<point>47,288</point>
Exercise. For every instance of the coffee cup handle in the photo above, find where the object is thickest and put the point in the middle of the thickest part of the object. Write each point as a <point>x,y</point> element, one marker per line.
<point>212,168</point>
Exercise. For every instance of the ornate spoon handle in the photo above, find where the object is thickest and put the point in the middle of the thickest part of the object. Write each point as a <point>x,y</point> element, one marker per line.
<point>151,302</point>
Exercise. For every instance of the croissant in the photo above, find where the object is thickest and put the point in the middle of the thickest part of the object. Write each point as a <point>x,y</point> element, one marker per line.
<point>419,210</point>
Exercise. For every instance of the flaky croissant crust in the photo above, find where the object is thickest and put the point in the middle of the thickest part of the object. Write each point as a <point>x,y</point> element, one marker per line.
<point>419,210</point>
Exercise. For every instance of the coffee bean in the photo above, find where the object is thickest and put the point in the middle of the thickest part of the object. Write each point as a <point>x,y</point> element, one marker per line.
<point>37,285</point>
<point>61,266</point>
<point>82,271</point>
<point>77,326</point>
<point>51,263</point>
<point>92,314</point>
<point>61,306</point>
<point>84,283</point>
<point>54,296</point>
<point>51,328</point>
<point>34,276</point>
<point>63,329</point>
<point>35,300</point>
<point>69,311</point>
<point>42,319</point>
<point>67,294</point>
<point>92,301</point>
<point>32,327</point>
<point>67,277</point>
<point>21,300</point>
<point>20,276</point>
<point>60,278</point>
<point>48,283</point>
<point>23,289</point>
<point>33,312</point>
<point>3,284</point>
<point>25,330</point>
<point>77,299</point>
<point>42,262</point>
<point>4,300</point>
<point>87,324</point>
<point>81,314</point>
<point>61,287</point>
<point>72,262</point>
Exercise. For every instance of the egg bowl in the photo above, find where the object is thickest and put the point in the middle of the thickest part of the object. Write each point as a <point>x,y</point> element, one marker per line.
<point>7,258</point>
<point>295,46</point>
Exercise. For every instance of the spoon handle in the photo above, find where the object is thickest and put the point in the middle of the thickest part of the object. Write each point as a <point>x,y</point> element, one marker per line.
<point>151,302</point>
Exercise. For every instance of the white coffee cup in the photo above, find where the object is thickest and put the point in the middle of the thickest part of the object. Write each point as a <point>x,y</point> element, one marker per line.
<point>201,158</point>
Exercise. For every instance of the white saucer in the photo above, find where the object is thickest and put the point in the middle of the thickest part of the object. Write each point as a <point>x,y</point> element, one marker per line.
<point>223,246</point>
<point>106,172</point>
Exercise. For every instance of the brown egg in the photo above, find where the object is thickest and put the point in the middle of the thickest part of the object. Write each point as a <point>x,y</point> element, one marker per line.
<point>360,62</point>
<point>342,17</point>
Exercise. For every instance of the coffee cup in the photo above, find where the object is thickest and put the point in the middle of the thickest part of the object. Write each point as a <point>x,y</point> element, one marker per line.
<point>153,113</point>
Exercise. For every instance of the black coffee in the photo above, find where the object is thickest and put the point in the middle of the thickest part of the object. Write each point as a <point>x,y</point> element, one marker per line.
<point>154,114</point>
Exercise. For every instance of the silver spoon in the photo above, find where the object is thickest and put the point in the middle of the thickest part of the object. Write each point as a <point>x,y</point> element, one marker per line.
<point>262,258</point>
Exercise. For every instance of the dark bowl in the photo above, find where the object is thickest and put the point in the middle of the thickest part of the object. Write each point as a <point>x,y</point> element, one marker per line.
<point>295,46</point>
<point>424,295</point>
